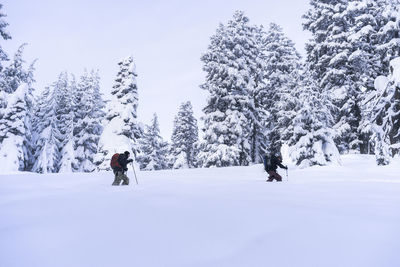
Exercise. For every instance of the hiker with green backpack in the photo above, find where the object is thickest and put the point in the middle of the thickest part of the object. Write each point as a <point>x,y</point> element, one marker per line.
<point>271,163</point>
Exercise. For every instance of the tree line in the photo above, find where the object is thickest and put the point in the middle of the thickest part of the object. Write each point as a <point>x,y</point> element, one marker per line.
<point>263,95</point>
<point>341,98</point>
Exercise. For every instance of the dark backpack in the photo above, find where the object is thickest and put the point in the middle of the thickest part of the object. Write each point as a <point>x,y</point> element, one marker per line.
<point>114,161</point>
<point>267,162</point>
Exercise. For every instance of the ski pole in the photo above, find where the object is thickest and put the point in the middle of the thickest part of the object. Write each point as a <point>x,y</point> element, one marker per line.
<point>134,172</point>
<point>287,176</point>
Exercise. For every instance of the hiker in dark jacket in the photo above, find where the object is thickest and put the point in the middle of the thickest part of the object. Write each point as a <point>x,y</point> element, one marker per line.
<point>119,171</point>
<point>271,169</point>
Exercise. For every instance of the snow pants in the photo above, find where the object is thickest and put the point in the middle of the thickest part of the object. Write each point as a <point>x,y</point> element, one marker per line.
<point>273,175</point>
<point>120,176</point>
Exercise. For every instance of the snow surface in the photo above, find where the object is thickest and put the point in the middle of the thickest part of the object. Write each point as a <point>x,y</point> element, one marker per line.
<point>322,216</point>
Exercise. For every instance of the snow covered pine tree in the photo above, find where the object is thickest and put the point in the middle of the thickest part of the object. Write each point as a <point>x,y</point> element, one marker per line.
<point>121,129</point>
<point>230,64</point>
<point>282,66</point>
<point>184,137</point>
<point>386,115</point>
<point>328,53</point>
<point>352,43</point>
<point>88,116</point>
<point>311,140</point>
<point>16,114</point>
<point>154,150</point>
<point>53,129</point>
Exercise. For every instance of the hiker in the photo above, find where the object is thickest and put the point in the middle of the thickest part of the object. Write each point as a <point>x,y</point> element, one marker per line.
<point>271,164</point>
<point>119,164</point>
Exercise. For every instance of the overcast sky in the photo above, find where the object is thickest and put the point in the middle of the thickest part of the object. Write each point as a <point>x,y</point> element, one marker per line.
<point>166,39</point>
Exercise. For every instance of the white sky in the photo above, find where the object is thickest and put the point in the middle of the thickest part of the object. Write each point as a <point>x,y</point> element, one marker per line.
<point>166,39</point>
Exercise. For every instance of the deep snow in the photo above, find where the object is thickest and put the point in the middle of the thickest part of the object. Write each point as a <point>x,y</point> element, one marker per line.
<point>323,216</point>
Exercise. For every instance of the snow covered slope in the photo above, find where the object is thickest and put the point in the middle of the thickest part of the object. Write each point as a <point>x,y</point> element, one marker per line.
<point>324,216</point>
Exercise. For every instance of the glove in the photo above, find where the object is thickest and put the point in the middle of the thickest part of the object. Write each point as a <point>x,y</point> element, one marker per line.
<point>130,160</point>
<point>286,167</point>
<point>126,169</point>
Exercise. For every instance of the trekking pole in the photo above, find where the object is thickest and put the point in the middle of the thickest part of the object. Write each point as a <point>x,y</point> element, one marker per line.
<point>134,172</point>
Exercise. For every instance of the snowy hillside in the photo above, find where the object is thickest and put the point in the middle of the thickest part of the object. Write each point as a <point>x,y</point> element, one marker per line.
<point>323,216</point>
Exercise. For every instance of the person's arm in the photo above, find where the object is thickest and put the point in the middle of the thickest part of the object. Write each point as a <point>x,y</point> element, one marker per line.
<point>282,166</point>
<point>126,165</point>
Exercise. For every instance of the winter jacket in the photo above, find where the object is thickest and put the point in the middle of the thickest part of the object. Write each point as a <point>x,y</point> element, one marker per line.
<point>123,162</point>
<point>275,162</point>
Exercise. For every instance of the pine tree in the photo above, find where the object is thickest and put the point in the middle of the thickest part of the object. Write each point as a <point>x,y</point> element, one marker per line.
<point>363,63</point>
<point>353,42</point>
<point>3,57</point>
<point>311,139</point>
<point>230,64</point>
<point>12,131</point>
<point>386,115</point>
<point>15,76</point>
<point>88,115</point>
<point>328,53</point>
<point>53,133</point>
<point>4,34</point>
<point>387,38</point>
<point>154,150</point>
<point>15,73</point>
<point>45,131</point>
<point>382,38</point>
<point>184,137</point>
<point>282,72</point>
<point>375,41</point>
<point>121,132</point>
<point>30,100</point>
<point>257,112</point>
<point>80,108</point>
<point>64,120</point>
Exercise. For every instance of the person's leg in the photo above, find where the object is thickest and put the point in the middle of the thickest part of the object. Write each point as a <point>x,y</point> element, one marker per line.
<point>125,179</point>
<point>117,179</point>
<point>271,176</point>
<point>278,177</point>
